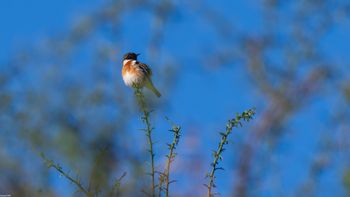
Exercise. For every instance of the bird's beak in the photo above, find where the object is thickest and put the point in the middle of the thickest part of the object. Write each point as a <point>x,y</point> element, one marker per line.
<point>137,54</point>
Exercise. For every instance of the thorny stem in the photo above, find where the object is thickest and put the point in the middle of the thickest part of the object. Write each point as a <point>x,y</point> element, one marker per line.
<point>148,130</point>
<point>76,182</point>
<point>171,156</point>
<point>246,116</point>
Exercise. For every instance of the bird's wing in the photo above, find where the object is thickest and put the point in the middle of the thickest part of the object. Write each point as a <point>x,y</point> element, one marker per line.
<point>145,69</point>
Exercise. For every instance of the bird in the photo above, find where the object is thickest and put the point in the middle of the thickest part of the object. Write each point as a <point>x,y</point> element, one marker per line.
<point>137,74</point>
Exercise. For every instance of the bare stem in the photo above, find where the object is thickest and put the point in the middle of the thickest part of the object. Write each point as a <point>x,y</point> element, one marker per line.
<point>246,116</point>
<point>148,130</point>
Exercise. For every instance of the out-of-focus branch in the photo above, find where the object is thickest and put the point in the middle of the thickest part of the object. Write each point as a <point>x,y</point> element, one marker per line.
<point>75,181</point>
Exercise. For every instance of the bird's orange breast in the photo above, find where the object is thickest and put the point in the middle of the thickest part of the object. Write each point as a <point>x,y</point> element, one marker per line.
<point>128,68</point>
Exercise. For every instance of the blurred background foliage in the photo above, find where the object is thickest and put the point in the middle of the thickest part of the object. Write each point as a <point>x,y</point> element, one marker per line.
<point>63,96</point>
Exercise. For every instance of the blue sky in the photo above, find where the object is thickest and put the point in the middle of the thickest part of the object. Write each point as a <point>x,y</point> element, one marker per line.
<point>27,22</point>
<point>203,97</point>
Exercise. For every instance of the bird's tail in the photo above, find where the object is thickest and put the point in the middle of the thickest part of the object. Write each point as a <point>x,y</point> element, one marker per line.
<point>150,86</point>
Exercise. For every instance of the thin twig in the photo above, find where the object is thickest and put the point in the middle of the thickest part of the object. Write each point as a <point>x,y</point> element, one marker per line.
<point>116,185</point>
<point>160,183</point>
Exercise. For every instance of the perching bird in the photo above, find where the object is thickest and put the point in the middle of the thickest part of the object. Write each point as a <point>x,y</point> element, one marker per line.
<point>137,74</point>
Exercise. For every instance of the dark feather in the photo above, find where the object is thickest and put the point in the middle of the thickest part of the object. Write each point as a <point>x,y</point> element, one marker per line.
<point>144,68</point>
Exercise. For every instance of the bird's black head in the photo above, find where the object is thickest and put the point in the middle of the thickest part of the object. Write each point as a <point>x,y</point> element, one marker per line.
<point>131,56</point>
